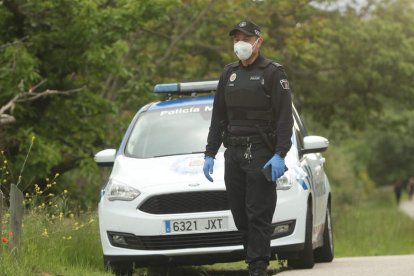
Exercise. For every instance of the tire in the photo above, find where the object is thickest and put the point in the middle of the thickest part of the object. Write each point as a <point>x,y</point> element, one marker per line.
<point>305,258</point>
<point>325,254</point>
<point>118,268</point>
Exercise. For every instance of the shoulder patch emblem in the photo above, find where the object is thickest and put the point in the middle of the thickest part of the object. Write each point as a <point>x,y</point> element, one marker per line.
<point>284,83</point>
<point>233,77</point>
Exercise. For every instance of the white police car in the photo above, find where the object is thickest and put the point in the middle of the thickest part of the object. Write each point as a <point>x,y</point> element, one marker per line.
<point>157,206</point>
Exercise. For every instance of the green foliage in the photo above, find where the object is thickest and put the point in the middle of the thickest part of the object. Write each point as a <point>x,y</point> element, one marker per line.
<point>69,44</point>
<point>345,69</point>
<point>18,69</point>
<point>392,148</point>
<point>359,63</point>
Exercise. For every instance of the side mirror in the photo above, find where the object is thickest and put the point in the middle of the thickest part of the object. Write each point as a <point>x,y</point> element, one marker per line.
<point>314,144</point>
<point>105,158</point>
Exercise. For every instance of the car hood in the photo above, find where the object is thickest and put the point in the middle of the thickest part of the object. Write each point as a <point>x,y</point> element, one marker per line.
<point>169,170</point>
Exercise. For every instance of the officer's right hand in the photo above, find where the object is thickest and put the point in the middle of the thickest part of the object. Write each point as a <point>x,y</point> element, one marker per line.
<point>277,164</point>
<point>208,167</point>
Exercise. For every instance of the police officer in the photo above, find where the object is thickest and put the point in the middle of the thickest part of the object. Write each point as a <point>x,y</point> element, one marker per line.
<point>252,117</point>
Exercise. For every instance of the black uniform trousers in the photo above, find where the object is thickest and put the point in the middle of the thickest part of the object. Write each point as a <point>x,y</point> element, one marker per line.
<point>251,197</point>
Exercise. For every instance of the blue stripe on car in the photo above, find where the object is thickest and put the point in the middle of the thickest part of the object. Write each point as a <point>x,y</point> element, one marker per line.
<point>303,184</point>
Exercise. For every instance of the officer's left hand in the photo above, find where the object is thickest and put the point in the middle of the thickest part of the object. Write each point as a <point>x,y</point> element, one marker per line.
<point>278,166</point>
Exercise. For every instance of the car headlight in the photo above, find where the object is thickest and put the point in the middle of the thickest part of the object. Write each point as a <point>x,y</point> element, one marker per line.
<point>116,190</point>
<point>284,182</point>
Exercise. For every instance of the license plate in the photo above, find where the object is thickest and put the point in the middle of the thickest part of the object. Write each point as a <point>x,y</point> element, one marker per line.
<point>195,225</point>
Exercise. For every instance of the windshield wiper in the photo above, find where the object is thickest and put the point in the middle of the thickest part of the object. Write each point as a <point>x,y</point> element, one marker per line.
<point>172,154</point>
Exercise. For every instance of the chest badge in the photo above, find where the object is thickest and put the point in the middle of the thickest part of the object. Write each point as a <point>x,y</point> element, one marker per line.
<point>233,77</point>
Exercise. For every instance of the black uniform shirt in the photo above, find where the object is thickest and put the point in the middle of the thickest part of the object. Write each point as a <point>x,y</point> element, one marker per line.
<point>277,84</point>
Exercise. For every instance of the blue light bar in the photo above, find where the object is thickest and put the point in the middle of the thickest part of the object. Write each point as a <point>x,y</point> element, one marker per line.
<point>186,87</point>
<point>166,88</point>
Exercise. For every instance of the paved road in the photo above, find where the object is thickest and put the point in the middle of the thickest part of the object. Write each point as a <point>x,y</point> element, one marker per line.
<point>402,265</point>
<point>408,208</point>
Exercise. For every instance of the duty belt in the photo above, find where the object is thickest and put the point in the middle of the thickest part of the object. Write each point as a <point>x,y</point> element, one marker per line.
<point>244,140</point>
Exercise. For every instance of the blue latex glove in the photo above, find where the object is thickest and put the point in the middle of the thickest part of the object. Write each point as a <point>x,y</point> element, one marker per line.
<point>278,166</point>
<point>208,167</point>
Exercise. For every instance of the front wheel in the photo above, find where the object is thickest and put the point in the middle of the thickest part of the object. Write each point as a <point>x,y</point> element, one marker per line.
<point>325,254</point>
<point>305,259</point>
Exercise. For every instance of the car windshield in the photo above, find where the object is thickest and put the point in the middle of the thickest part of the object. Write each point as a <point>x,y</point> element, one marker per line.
<point>164,132</point>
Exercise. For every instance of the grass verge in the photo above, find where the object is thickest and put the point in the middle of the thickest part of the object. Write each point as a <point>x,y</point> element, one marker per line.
<point>68,246</point>
<point>373,226</point>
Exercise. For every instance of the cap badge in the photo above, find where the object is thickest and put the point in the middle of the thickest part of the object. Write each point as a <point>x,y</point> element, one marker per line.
<point>233,77</point>
<point>242,24</point>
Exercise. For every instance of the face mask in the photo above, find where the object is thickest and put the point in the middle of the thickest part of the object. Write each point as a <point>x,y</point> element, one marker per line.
<point>244,50</point>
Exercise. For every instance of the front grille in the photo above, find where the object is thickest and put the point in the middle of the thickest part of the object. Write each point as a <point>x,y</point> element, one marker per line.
<point>178,241</point>
<point>192,202</point>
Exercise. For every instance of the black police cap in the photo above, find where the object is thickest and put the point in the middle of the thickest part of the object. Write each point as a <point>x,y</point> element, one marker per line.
<point>246,27</point>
